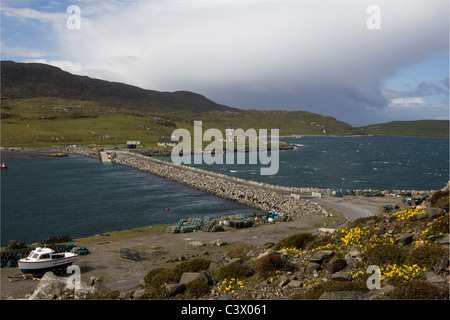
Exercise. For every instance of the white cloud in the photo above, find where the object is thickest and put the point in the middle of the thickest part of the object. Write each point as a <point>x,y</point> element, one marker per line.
<point>315,55</point>
<point>414,102</point>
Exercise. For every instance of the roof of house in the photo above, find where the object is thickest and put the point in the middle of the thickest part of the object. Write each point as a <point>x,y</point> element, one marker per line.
<point>165,140</point>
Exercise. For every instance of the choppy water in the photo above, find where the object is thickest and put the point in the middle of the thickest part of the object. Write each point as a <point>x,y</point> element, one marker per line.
<point>80,196</point>
<point>355,163</point>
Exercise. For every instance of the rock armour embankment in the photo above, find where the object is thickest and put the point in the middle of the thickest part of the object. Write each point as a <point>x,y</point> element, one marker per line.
<point>241,191</point>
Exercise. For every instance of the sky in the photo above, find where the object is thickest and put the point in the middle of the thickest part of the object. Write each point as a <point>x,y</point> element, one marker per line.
<point>362,62</point>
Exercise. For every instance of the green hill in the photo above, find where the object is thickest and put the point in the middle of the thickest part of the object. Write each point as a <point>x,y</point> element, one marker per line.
<point>43,106</point>
<point>36,80</point>
<point>419,128</point>
<point>55,121</point>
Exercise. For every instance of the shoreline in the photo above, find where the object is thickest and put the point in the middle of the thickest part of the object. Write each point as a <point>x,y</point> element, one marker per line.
<point>94,152</point>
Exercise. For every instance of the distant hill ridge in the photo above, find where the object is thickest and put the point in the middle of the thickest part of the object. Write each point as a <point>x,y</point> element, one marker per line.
<point>36,80</point>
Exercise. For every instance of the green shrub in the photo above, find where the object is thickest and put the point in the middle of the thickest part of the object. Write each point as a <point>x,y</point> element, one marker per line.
<point>268,266</point>
<point>438,195</point>
<point>363,221</point>
<point>419,289</point>
<point>331,286</point>
<point>197,289</point>
<point>234,270</point>
<point>194,265</point>
<point>385,254</point>
<point>426,256</point>
<point>298,241</point>
<point>160,276</point>
<point>441,225</point>
<point>443,203</point>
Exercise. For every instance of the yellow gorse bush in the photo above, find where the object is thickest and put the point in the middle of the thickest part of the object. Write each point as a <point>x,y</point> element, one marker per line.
<point>403,272</point>
<point>353,236</point>
<point>409,213</point>
<point>230,286</point>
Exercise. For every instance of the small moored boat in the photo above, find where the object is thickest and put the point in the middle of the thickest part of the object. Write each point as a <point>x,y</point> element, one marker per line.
<point>4,166</point>
<point>45,259</point>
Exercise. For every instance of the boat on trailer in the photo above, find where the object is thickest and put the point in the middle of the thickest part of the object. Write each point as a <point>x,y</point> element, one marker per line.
<point>45,259</point>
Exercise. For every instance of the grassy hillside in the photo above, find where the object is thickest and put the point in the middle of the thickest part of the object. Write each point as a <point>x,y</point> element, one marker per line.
<point>36,80</point>
<point>54,121</point>
<point>420,128</point>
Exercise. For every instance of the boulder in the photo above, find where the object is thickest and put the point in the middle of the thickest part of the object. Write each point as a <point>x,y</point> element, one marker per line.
<point>311,267</point>
<point>284,280</point>
<point>196,243</point>
<point>295,284</point>
<point>405,238</point>
<point>434,278</point>
<point>444,240</point>
<point>49,288</point>
<point>341,276</point>
<point>336,264</point>
<point>173,289</point>
<point>434,212</point>
<point>320,256</point>
<point>192,276</point>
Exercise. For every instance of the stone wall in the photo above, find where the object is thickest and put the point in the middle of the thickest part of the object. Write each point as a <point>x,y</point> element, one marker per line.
<point>243,191</point>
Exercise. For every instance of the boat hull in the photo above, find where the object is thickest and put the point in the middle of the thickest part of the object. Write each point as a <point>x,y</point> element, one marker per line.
<point>42,266</point>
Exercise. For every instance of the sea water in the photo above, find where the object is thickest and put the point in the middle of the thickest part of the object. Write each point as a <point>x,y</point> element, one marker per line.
<point>76,195</point>
<point>392,163</point>
<point>43,196</point>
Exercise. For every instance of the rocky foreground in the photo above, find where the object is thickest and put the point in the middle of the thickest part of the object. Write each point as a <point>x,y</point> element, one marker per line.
<point>399,255</point>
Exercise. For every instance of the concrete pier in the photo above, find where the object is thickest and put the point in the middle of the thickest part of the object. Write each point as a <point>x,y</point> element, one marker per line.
<point>105,157</point>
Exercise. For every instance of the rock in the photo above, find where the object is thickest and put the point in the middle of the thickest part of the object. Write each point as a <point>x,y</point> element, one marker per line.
<point>125,295</point>
<point>173,289</point>
<point>129,254</point>
<point>354,253</point>
<point>341,276</point>
<point>50,287</point>
<point>327,230</point>
<point>405,238</point>
<point>138,293</point>
<point>434,212</point>
<point>284,280</point>
<point>196,243</point>
<point>192,276</point>
<point>294,283</point>
<point>265,254</point>
<point>320,256</point>
<point>444,240</point>
<point>218,243</point>
<point>341,295</point>
<point>336,264</point>
<point>311,267</point>
<point>434,278</point>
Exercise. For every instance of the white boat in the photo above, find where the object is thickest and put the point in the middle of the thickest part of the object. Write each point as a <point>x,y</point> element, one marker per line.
<point>45,259</point>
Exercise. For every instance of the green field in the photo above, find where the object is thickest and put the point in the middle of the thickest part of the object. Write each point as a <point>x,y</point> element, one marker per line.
<point>420,128</point>
<point>43,122</point>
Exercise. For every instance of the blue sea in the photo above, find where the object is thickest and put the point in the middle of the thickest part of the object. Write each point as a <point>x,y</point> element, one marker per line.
<point>80,196</point>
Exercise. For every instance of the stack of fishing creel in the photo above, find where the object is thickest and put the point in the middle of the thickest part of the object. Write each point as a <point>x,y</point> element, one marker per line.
<point>57,239</point>
<point>16,244</point>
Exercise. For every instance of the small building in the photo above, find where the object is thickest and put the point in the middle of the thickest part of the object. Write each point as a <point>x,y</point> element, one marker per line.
<point>166,142</point>
<point>133,144</point>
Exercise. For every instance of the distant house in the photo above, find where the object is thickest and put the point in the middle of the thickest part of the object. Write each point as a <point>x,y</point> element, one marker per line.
<point>166,142</point>
<point>133,144</point>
